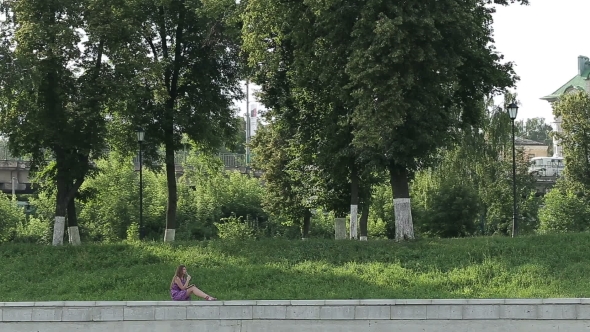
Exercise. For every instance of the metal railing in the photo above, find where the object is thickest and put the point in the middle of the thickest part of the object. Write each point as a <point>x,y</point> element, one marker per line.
<point>230,160</point>
<point>6,155</point>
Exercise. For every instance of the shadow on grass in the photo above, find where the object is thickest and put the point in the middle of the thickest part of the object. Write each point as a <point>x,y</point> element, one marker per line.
<point>541,266</point>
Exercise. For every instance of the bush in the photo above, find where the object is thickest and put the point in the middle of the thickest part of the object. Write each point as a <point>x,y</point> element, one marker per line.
<point>564,211</point>
<point>234,228</point>
<point>447,210</point>
<point>115,204</point>
<point>381,218</point>
<point>208,195</point>
<point>34,230</point>
<point>13,217</point>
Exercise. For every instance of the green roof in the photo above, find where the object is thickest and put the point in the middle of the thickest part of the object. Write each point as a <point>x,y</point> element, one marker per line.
<point>578,82</point>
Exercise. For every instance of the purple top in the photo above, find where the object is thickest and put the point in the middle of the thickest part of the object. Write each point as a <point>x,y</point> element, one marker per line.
<point>178,294</point>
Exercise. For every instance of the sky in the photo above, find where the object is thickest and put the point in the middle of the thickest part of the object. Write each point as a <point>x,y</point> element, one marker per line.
<point>544,40</point>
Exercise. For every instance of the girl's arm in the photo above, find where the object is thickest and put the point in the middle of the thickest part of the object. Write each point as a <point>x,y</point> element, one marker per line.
<point>179,283</point>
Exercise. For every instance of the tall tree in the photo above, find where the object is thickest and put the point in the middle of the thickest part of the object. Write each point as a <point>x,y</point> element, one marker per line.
<point>479,160</point>
<point>574,108</point>
<point>188,72</point>
<point>412,71</point>
<point>56,83</point>
<point>300,66</point>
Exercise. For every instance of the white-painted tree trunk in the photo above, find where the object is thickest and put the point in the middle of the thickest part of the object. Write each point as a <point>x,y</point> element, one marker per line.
<point>58,230</point>
<point>404,227</point>
<point>169,235</point>
<point>363,238</point>
<point>74,235</point>
<point>354,222</point>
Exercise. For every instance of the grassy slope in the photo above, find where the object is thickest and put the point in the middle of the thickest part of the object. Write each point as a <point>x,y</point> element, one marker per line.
<point>540,266</point>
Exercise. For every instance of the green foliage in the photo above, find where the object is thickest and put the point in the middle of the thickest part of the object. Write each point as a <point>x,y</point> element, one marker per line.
<point>209,194</point>
<point>133,232</point>
<point>182,80</point>
<point>12,221</point>
<point>38,227</point>
<point>287,195</point>
<point>574,109</point>
<point>381,209</point>
<point>115,205</point>
<point>34,230</point>
<point>564,211</point>
<point>322,225</point>
<point>480,162</point>
<point>61,89</point>
<point>234,228</point>
<point>490,267</point>
<point>446,209</point>
<point>110,211</point>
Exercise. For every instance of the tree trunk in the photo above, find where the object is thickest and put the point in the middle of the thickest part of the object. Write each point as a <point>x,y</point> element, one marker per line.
<point>171,78</point>
<point>306,224</point>
<point>364,220</point>
<point>73,231</point>
<point>170,232</point>
<point>402,209</point>
<point>61,204</point>
<point>59,225</point>
<point>354,204</point>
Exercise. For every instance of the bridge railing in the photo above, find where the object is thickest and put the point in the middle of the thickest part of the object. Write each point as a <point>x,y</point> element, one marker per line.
<point>6,155</point>
<point>230,160</point>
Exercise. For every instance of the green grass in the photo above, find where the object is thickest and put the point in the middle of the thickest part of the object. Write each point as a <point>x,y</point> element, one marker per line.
<point>493,267</point>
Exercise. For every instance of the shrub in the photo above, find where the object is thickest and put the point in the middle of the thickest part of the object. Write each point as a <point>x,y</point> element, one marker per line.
<point>448,210</point>
<point>12,218</point>
<point>234,228</point>
<point>564,211</point>
<point>208,194</point>
<point>115,204</point>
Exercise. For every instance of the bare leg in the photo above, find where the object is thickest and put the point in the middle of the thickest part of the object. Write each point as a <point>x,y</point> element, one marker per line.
<point>198,292</point>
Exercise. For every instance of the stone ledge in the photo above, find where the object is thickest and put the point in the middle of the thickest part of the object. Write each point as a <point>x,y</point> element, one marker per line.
<point>304,310</point>
<point>361,302</point>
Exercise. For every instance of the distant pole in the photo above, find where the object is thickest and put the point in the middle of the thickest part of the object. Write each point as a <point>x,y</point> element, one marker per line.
<point>514,218</point>
<point>140,137</point>
<point>140,193</point>
<point>512,112</point>
<point>247,123</point>
<point>13,188</point>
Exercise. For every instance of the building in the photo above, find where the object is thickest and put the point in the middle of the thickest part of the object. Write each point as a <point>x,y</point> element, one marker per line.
<point>580,82</point>
<point>532,149</point>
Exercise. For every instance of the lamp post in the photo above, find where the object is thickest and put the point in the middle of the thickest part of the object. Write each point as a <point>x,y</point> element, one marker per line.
<point>140,137</point>
<point>513,111</point>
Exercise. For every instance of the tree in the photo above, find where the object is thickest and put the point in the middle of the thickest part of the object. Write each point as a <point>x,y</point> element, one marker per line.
<point>186,56</point>
<point>574,108</point>
<point>55,92</point>
<point>303,82</point>
<point>414,70</point>
<point>287,195</point>
<point>479,160</point>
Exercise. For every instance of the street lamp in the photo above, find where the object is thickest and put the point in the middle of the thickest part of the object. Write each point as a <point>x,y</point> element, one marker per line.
<point>513,111</point>
<point>140,137</point>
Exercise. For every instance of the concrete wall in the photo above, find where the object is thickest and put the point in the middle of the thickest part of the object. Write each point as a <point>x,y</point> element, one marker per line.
<point>521,315</point>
